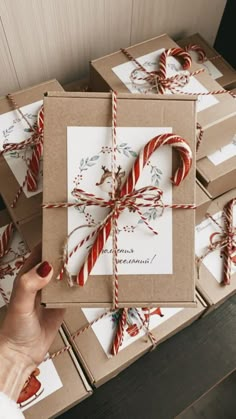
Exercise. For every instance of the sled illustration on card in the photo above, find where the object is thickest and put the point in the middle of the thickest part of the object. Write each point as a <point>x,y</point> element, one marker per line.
<point>31,390</point>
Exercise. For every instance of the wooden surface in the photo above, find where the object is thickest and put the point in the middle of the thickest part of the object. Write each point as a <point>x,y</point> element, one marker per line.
<point>166,381</point>
<point>219,403</point>
<point>43,39</point>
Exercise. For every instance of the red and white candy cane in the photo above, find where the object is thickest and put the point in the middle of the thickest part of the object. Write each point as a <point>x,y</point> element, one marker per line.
<point>5,239</point>
<point>199,50</point>
<point>119,336</point>
<point>34,164</point>
<point>229,251</point>
<point>172,52</point>
<point>182,171</point>
<point>35,141</point>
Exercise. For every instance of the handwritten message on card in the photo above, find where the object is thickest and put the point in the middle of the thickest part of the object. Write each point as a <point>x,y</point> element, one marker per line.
<point>89,168</point>
<point>14,129</point>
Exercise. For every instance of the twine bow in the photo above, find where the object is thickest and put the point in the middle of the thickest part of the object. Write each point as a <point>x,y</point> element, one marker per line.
<point>224,240</point>
<point>36,142</point>
<point>158,80</point>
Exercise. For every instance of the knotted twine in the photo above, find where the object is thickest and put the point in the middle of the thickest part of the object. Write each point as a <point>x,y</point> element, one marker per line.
<point>224,240</point>
<point>36,142</point>
<point>126,198</point>
<point>159,81</point>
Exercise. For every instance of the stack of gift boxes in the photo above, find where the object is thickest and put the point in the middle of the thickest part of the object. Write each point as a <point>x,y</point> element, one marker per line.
<point>131,188</point>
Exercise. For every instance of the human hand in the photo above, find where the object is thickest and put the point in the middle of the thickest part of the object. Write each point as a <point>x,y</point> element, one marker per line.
<point>28,329</point>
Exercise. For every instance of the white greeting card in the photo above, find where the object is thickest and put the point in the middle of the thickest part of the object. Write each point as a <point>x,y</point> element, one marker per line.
<point>214,261</point>
<point>208,65</point>
<point>224,153</point>
<point>14,129</point>
<point>151,63</point>
<point>16,249</point>
<point>89,168</point>
<point>105,328</point>
<point>44,381</point>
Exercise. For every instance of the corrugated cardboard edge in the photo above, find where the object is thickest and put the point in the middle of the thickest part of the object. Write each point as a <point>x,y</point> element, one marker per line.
<point>103,95</point>
<point>76,363</point>
<point>203,302</point>
<point>26,89</point>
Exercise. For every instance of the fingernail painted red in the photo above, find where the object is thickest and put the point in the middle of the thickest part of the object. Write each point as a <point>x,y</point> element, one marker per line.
<point>44,269</point>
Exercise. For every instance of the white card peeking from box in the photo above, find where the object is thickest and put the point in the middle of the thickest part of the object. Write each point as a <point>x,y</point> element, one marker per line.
<point>105,328</point>
<point>151,63</point>
<point>15,129</point>
<point>89,168</point>
<point>213,261</point>
<point>224,153</point>
<point>42,382</point>
<point>9,266</point>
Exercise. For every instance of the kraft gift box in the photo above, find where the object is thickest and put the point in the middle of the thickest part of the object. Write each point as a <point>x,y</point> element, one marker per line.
<point>215,113</point>
<point>81,132</point>
<point>209,283</point>
<point>202,202</point>
<point>56,385</point>
<point>93,345</point>
<point>217,171</point>
<point>214,64</point>
<point>13,165</point>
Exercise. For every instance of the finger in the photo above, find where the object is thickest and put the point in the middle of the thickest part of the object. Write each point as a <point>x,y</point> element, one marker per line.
<point>26,287</point>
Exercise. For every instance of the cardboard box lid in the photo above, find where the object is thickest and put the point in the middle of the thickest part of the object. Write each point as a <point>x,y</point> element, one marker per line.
<point>229,74</point>
<point>84,109</point>
<point>26,207</point>
<point>214,292</point>
<point>97,364</point>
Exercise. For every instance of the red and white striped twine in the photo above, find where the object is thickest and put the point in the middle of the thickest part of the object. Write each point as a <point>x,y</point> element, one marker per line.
<point>200,52</point>
<point>35,141</point>
<point>224,240</point>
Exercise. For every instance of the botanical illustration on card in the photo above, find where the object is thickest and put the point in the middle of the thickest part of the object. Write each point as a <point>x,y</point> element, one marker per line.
<point>89,169</point>
<point>214,260</point>
<point>105,328</point>
<point>42,382</point>
<point>14,129</point>
<point>151,63</point>
<point>11,264</point>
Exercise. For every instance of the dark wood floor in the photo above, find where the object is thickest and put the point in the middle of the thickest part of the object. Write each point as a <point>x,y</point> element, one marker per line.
<point>166,381</point>
<point>219,403</point>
